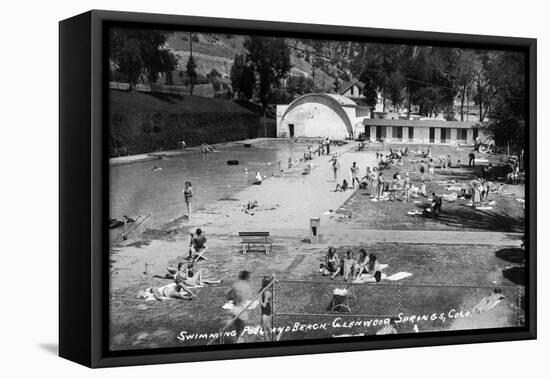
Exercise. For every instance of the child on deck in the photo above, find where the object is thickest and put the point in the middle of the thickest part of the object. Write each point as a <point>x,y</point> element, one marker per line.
<point>331,266</point>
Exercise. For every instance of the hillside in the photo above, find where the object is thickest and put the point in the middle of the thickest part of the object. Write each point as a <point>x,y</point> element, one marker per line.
<point>217,51</point>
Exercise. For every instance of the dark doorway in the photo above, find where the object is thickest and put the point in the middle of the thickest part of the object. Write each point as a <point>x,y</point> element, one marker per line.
<point>380,132</point>
<point>443,136</point>
<point>411,134</point>
<point>432,134</point>
<point>475,133</point>
<point>291,130</point>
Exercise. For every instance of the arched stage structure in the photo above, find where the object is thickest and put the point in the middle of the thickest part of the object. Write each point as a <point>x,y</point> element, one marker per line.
<point>317,115</point>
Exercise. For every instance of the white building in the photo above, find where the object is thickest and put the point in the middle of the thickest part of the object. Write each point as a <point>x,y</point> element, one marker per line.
<point>318,115</point>
<point>422,131</point>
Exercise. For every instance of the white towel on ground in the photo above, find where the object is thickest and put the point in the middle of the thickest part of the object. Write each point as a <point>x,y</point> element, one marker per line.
<point>399,276</point>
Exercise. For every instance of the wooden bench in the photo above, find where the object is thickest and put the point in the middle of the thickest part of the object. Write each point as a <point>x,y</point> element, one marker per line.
<point>255,238</point>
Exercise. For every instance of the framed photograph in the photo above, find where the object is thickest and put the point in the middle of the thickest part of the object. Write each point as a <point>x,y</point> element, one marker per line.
<point>234,188</point>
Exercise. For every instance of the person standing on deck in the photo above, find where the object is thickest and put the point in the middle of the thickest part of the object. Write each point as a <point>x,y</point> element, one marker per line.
<point>407,187</point>
<point>431,169</point>
<point>188,193</point>
<point>368,176</point>
<point>335,168</point>
<point>327,143</point>
<point>472,161</point>
<point>422,169</point>
<point>241,295</point>
<point>353,174</point>
<point>380,185</point>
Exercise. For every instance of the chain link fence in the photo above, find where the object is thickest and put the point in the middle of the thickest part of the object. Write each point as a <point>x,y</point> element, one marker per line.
<point>334,309</point>
<point>326,309</point>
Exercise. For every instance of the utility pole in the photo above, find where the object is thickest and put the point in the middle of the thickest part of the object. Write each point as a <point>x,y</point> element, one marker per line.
<point>190,44</point>
<point>468,106</point>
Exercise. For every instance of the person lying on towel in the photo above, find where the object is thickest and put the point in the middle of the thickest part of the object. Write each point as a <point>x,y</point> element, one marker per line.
<point>173,291</point>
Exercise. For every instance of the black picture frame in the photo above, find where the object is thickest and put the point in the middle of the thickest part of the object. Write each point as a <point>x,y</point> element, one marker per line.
<point>83,197</point>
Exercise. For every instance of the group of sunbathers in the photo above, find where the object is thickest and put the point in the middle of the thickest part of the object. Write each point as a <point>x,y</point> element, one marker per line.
<point>186,276</point>
<point>364,268</point>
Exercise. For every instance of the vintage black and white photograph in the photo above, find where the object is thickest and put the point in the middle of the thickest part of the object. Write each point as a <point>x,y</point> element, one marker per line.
<point>266,189</point>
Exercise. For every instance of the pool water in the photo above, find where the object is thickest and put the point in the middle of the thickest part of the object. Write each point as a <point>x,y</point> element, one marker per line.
<point>137,189</point>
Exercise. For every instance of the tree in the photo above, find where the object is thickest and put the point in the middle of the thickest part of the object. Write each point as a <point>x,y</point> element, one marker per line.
<point>139,54</point>
<point>270,59</point>
<point>467,67</point>
<point>371,76</point>
<point>242,77</point>
<point>507,109</point>
<point>191,70</point>
<point>395,84</point>
<point>484,89</point>
<point>299,85</point>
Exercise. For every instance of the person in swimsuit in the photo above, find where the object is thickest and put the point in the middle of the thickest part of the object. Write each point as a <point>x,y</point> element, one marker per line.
<point>431,169</point>
<point>188,193</point>
<point>373,268</point>
<point>265,307</point>
<point>331,266</point>
<point>172,291</point>
<point>407,188</point>
<point>241,295</point>
<point>343,187</point>
<point>188,277</point>
<point>361,263</point>
<point>197,243</point>
<point>335,168</point>
<point>353,174</point>
<point>380,185</point>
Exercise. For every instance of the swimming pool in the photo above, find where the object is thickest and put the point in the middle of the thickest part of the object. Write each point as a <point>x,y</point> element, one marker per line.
<point>137,189</point>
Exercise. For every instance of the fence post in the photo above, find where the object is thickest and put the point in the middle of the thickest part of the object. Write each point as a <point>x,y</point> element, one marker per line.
<point>399,298</point>
<point>518,307</point>
<point>273,309</point>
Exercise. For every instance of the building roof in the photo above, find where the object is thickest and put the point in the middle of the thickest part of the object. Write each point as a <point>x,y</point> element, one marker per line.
<point>342,100</point>
<point>348,85</point>
<point>418,123</point>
